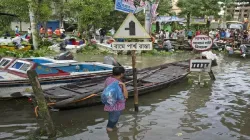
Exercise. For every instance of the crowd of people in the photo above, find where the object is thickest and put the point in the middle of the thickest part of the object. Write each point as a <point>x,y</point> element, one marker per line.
<point>235,34</point>
<point>164,37</point>
<point>59,32</point>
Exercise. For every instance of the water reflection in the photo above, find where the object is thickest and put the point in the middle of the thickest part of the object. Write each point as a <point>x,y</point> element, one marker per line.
<point>142,61</point>
<point>233,93</point>
<point>193,120</point>
<point>219,111</point>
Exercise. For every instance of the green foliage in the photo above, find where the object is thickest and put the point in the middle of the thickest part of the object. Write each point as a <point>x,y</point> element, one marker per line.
<point>115,19</point>
<point>24,54</point>
<point>164,7</point>
<point>94,50</point>
<point>154,52</point>
<point>17,7</point>
<point>90,12</point>
<point>229,17</point>
<point>198,8</point>
<point>45,42</point>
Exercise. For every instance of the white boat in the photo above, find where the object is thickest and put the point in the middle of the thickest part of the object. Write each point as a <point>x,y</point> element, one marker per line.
<point>14,79</point>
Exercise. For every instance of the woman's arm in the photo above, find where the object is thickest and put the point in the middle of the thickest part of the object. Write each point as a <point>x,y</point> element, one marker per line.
<point>124,90</point>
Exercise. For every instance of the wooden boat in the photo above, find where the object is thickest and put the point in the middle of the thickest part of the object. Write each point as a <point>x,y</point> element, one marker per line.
<point>88,92</point>
<point>69,44</point>
<point>50,72</point>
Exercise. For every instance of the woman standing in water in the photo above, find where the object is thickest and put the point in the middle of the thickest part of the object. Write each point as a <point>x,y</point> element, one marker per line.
<point>115,111</point>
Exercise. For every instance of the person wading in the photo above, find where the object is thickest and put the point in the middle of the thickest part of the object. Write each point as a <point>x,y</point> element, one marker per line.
<point>115,111</point>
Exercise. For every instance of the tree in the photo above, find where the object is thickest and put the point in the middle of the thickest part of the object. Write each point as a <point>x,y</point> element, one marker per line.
<point>62,10</point>
<point>199,8</point>
<point>90,13</point>
<point>20,8</point>
<point>164,7</point>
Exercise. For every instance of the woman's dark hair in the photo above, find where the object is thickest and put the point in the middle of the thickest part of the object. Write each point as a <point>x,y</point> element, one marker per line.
<point>118,71</point>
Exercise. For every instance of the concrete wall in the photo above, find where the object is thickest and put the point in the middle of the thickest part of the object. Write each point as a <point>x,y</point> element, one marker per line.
<point>23,26</point>
<point>239,13</point>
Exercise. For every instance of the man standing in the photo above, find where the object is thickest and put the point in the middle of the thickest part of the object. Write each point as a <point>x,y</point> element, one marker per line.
<point>167,34</point>
<point>29,33</point>
<point>49,32</point>
<point>211,34</point>
<point>17,31</point>
<point>198,32</point>
<point>102,35</point>
<point>57,32</point>
<point>222,34</point>
<point>174,34</point>
<point>62,31</point>
<point>190,34</point>
<point>42,32</point>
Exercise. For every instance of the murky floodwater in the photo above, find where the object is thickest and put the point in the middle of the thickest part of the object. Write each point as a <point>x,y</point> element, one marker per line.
<point>219,111</point>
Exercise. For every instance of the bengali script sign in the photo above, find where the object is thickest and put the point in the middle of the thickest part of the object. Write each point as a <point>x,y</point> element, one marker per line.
<point>132,46</point>
<point>202,42</point>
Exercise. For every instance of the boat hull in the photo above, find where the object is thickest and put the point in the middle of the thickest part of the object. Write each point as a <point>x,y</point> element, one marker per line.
<point>15,88</point>
<point>141,91</point>
<point>162,77</point>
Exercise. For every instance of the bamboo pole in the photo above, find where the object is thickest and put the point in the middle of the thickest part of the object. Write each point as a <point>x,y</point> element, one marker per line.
<point>136,102</point>
<point>41,103</point>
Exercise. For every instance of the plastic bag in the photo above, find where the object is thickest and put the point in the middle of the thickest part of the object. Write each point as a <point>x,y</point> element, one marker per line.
<point>112,94</point>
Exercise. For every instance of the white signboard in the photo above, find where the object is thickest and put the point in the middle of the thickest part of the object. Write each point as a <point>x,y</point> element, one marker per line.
<point>200,65</point>
<point>202,42</point>
<point>132,46</point>
<point>131,28</point>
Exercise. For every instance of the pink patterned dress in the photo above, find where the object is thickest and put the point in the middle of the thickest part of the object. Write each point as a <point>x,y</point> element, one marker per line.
<point>120,105</point>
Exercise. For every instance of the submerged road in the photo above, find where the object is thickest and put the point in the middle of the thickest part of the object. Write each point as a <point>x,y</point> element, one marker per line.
<point>218,111</point>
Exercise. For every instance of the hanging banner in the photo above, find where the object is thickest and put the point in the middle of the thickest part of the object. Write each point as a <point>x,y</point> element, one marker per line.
<point>196,20</point>
<point>154,8</point>
<point>128,6</point>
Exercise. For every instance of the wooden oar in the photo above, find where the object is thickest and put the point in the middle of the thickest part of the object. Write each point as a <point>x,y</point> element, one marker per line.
<point>96,92</point>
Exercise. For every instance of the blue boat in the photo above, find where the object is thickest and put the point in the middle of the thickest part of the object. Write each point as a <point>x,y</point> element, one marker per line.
<point>50,72</point>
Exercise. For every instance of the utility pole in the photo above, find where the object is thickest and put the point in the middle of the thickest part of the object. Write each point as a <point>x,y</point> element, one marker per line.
<point>33,25</point>
<point>148,16</point>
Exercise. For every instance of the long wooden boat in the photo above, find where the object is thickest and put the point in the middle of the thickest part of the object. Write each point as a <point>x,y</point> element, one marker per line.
<point>88,92</point>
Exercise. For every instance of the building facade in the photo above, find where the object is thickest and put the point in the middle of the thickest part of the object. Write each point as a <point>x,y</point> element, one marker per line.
<point>239,12</point>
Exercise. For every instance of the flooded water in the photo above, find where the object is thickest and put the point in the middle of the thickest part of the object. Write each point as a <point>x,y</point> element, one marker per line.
<point>219,110</point>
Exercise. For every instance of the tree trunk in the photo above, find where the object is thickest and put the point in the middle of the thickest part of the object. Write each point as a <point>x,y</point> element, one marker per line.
<point>43,111</point>
<point>61,21</point>
<point>157,27</point>
<point>33,24</point>
<point>188,20</point>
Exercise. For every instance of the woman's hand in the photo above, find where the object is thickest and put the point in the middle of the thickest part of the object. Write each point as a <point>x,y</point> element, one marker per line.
<point>124,90</point>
